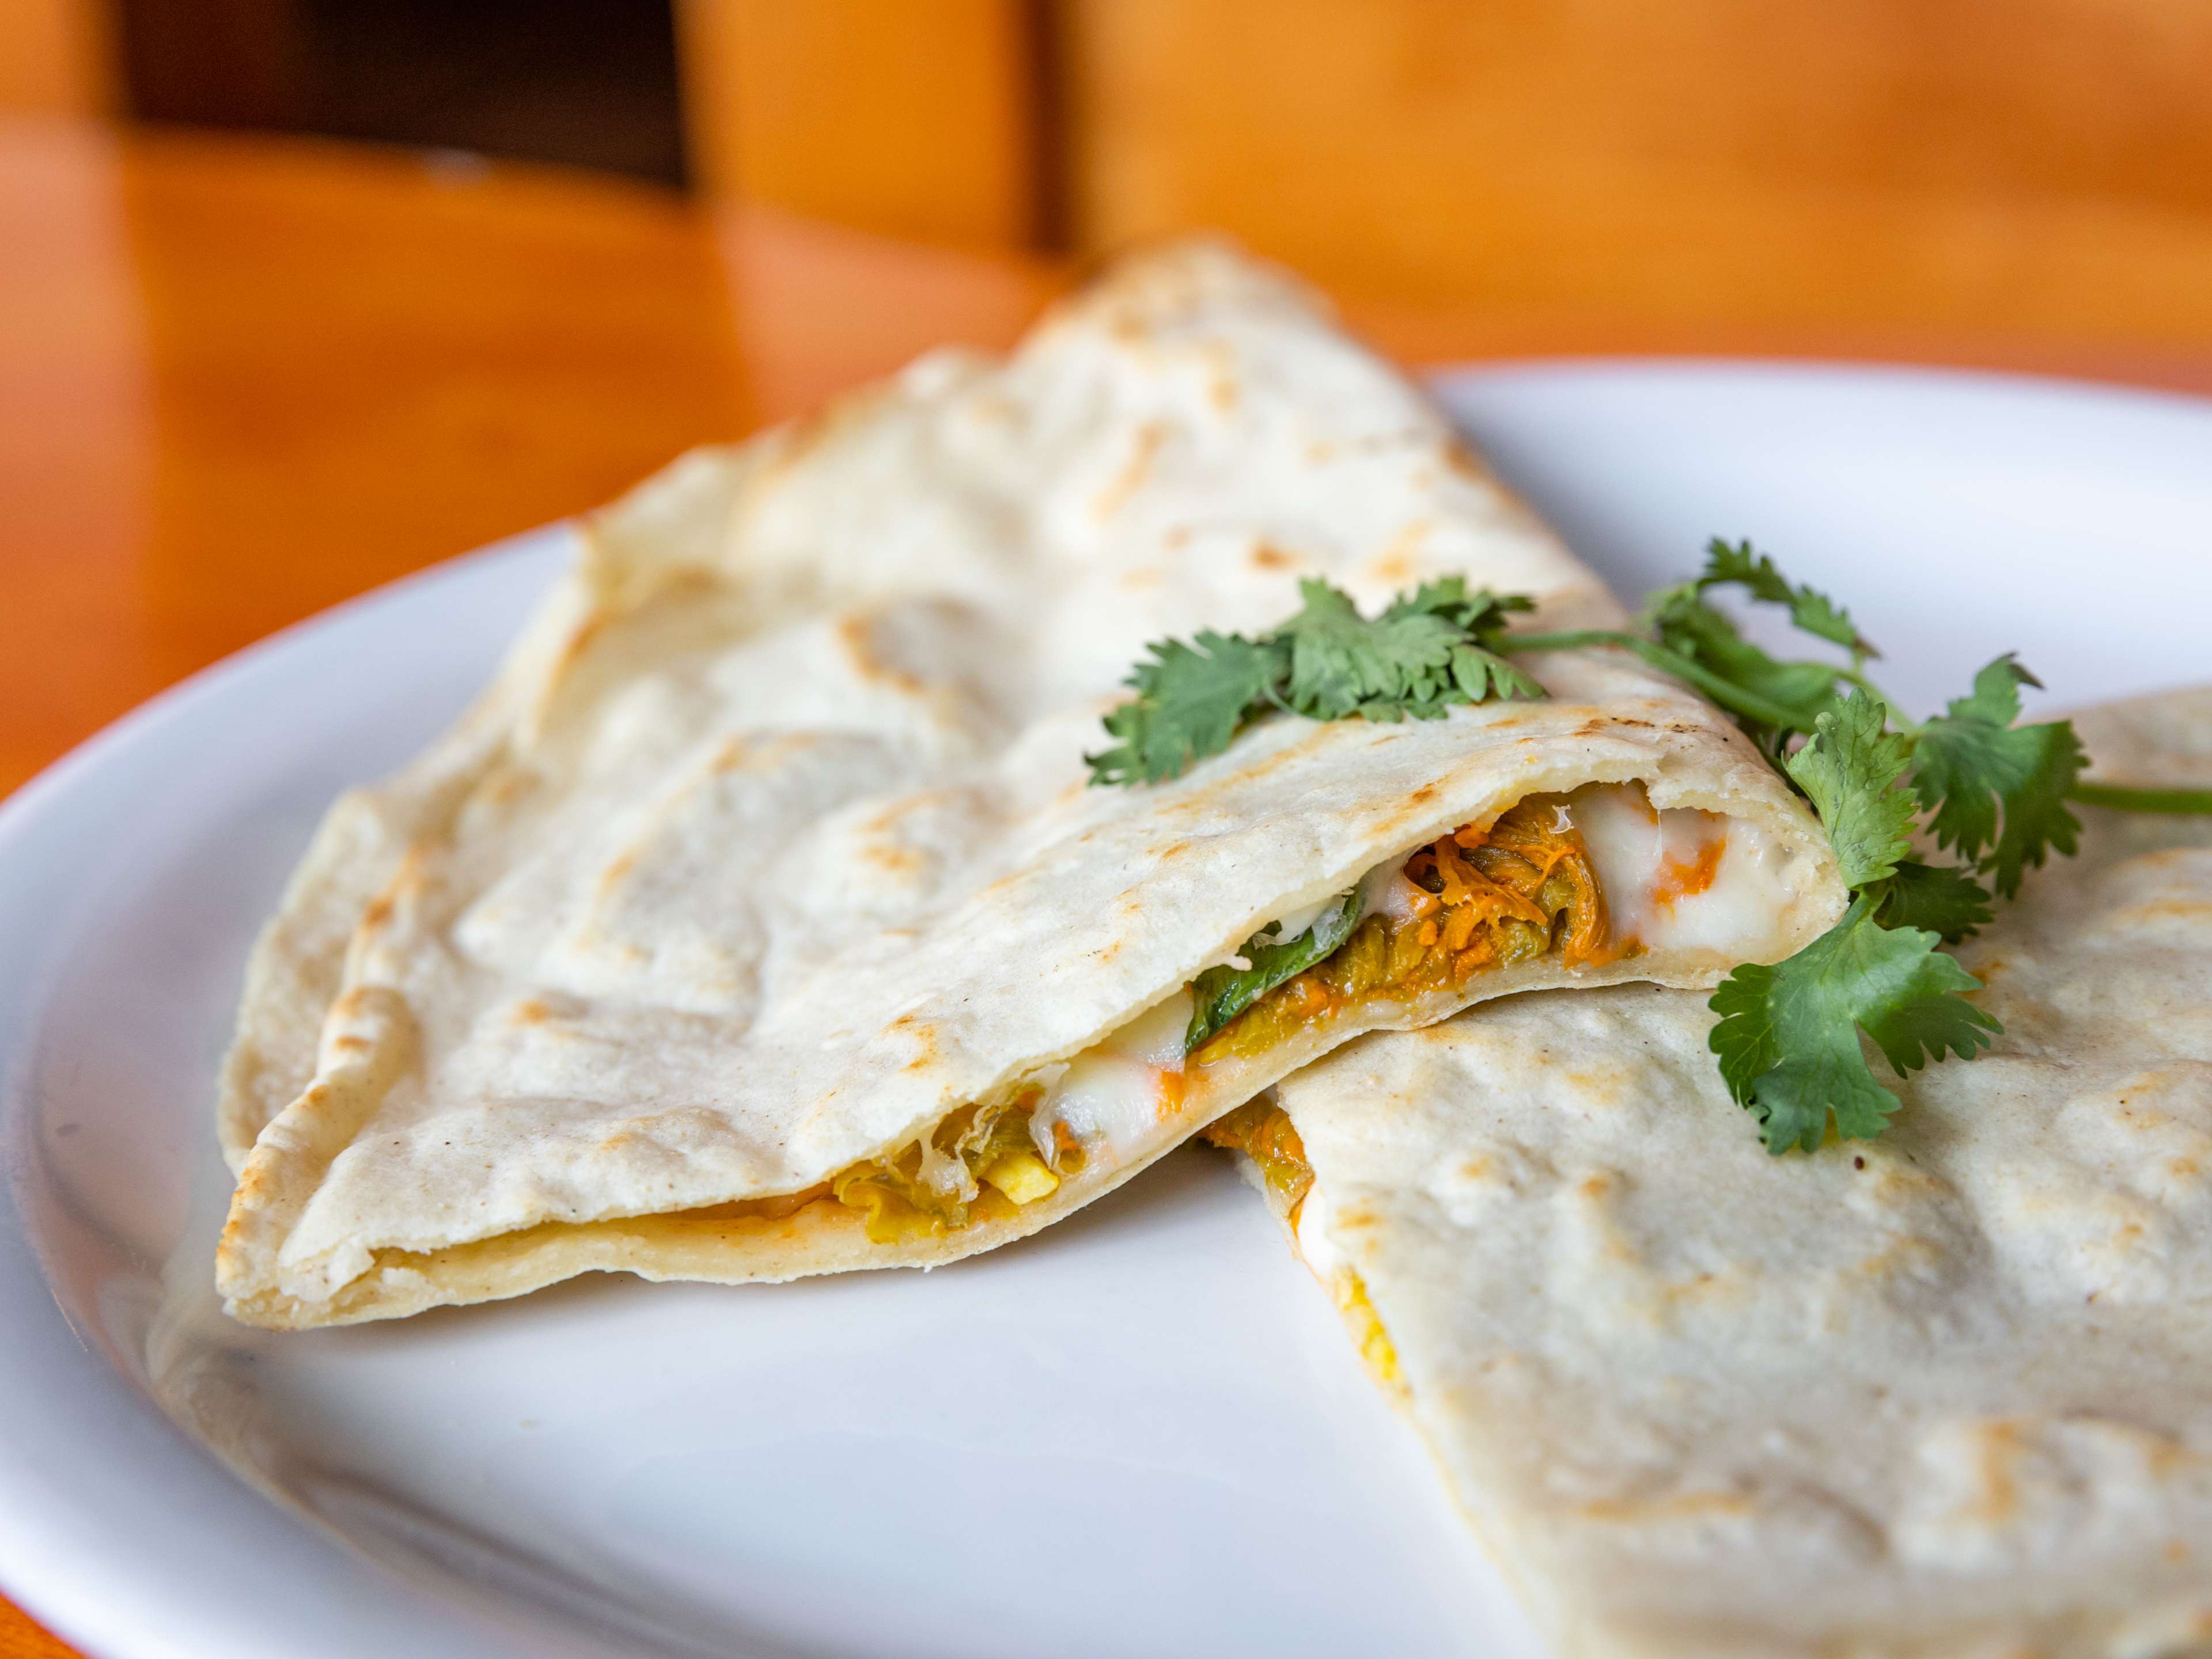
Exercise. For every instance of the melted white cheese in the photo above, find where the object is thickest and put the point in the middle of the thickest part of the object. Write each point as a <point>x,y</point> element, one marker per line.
<point>1297,922</point>
<point>1385,889</point>
<point>1645,861</point>
<point>1316,1247</point>
<point>1112,1094</point>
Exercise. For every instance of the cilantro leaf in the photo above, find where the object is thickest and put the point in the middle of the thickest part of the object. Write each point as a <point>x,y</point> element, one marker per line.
<point>1787,1040</point>
<point>1481,613</point>
<point>1810,611</point>
<point>1342,664</point>
<point>1190,701</point>
<point>1849,769</point>
<point>1477,669</point>
<point>1940,897</point>
<point>1481,675</point>
<point>1970,760</point>
<point>1437,646</point>
<point>1219,994</point>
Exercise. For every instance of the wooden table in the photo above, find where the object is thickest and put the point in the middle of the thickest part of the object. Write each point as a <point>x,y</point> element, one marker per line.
<point>243,379</point>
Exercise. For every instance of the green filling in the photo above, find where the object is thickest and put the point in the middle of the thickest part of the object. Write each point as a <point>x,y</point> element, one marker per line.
<point>1219,994</point>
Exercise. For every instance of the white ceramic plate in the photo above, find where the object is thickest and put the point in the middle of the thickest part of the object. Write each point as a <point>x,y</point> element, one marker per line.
<point>1139,1433</point>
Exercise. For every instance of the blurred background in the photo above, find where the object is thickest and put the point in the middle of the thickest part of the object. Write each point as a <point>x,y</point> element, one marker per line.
<point>2043,165</point>
<point>296,295</point>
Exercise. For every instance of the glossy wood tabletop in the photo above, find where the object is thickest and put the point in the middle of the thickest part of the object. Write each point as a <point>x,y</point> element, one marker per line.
<point>243,379</point>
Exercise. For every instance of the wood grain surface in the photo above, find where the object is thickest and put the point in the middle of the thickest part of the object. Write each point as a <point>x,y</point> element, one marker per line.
<point>241,380</point>
<point>2037,168</point>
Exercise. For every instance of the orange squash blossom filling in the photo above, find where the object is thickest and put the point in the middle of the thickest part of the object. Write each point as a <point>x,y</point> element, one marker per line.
<point>1482,896</point>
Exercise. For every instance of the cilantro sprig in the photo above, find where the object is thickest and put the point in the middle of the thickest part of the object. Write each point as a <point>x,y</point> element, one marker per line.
<point>1995,793</point>
<point>1437,646</point>
<point>1992,793</point>
<point>1973,782</point>
<point>1787,1040</point>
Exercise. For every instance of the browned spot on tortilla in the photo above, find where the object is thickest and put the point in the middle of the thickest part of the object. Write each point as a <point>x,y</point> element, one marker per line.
<point>804,436</point>
<point>1267,556</point>
<point>1903,1255</point>
<point>1222,387</point>
<point>1999,1448</point>
<point>1140,577</point>
<point>1463,461</point>
<point>351,1044</point>
<point>1685,1506</point>
<point>618,867</point>
<point>1603,1085</point>
<point>531,1012</point>
<point>251,1186</point>
<point>407,881</point>
<point>2168,909</point>
<point>1126,483</point>
<point>1322,733</point>
<point>1177,535</point>
<point>587,631</point>
<point>740,752</point>
<point>893,856</point>
<point>506,785</point>
<point>925,1048</point>
<point>353,1003</point>
<point>857,635</point>
<point>2168,1456</point>
<point>1395,563</point>
<point>1174,849</point>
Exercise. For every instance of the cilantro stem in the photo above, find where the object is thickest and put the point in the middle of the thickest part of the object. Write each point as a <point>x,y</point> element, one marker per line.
<point>1732,697</point>
<point>2121,798</point>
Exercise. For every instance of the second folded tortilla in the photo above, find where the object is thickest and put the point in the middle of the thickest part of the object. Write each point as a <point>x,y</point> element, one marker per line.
<point>1940,1395</point>
<point>759,921</point>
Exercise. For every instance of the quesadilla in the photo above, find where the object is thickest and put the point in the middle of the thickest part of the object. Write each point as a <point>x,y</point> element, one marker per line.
<point>758,922</point>
<point>1945,1393</point>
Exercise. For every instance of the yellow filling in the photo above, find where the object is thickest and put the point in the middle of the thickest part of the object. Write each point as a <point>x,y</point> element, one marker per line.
<point>1264,1132</point>
<point>981,1161</point>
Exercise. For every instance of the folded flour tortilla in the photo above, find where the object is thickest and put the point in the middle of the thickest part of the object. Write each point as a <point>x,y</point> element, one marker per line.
<point>1946,1392</point>
<point>758,922</point>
